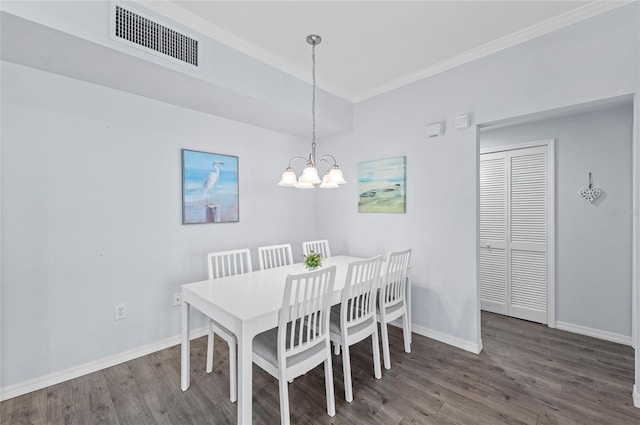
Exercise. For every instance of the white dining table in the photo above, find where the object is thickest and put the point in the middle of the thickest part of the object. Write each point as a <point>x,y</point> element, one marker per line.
<point>246,304</point>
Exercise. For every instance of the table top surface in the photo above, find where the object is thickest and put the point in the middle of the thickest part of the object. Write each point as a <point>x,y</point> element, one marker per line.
<point>249,296</point>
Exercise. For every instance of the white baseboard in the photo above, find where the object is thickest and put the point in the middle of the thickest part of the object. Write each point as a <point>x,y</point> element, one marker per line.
<point>473,347</point>
<point>442,337</point>
<point>596,333</point>
<point>636,396</point>
<point>94,366</point>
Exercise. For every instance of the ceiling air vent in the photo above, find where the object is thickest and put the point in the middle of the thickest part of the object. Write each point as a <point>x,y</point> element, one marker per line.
<point>140,31</point>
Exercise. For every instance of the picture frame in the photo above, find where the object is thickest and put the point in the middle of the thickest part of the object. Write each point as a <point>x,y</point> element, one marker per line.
<point>210,189</point>
<point>382,185</point>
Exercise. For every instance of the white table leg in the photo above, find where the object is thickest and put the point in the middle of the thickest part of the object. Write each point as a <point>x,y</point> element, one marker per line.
<point>245,381</point>
<point>185,357</point>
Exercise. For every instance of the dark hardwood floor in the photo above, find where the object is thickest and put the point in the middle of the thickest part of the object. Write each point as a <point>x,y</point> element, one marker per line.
<point>526,374</point>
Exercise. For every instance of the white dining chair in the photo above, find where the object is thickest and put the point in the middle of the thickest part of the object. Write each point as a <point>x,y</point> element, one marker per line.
<point>275,256</point>
<point>221,264</point>
<point>392,300</point>
<point>355,318</point>
<point>319,247</point>
<point>301,340</point>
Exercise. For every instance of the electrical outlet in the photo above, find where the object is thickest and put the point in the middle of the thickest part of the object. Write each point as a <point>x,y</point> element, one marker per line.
<point>177,298</point>
<point>121,311</point>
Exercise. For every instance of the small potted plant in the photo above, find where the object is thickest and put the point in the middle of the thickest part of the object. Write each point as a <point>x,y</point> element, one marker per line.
<point>312,261</point>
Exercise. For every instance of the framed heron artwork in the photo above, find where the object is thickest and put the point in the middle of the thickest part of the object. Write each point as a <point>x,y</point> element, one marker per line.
<point>209,188</point>
<point>381,185</point>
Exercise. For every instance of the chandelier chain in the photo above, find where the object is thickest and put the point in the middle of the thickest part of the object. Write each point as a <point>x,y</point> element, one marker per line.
<point>313,98</point>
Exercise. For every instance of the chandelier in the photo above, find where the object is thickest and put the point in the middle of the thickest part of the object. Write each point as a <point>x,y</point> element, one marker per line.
<point>309,176</point>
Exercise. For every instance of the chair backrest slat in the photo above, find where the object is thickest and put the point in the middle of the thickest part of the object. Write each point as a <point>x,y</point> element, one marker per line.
<point>319,247</point>
<point>275,256</point>
<point>304,316</point>
<point>358,295</point>
<point>229,263</point>
<point>395,279</point>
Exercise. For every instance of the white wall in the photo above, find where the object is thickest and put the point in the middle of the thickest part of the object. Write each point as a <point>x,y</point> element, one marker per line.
<point>593,241</point>
<point>594,59</point>
<point>91,216</point>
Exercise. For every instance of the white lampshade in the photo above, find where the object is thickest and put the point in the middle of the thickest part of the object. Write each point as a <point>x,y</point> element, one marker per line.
<point>327,183</point>
<point>303,185</point>
<point>310,175</point>
<point>335,175</point>
<point>288,178</point>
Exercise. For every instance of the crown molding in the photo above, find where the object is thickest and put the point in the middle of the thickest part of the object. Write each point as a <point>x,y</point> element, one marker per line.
<point>526,34</point>
<point>175,12</point>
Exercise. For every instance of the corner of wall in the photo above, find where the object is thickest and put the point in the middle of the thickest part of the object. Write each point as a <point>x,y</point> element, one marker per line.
<point>466,345</point>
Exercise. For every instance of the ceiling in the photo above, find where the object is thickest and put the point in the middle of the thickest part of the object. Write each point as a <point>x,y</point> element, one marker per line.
<point>370,47</point>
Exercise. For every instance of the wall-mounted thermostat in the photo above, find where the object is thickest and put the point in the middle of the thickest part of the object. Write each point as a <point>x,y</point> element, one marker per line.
<point>462,122</point>
<point>435,129</point>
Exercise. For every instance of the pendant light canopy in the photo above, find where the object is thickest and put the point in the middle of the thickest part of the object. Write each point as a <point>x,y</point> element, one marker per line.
<point>309,176</point>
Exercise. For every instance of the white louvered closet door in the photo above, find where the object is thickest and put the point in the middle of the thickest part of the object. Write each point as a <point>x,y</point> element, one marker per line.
<point>493,233</point>
<point>514,214</point>
<point>527,247</point>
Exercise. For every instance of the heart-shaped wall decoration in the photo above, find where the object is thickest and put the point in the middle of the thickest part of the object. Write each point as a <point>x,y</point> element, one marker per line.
<point>590,194</point>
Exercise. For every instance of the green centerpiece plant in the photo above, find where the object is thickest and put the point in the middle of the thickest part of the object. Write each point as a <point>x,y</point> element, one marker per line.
<point>312,261</point>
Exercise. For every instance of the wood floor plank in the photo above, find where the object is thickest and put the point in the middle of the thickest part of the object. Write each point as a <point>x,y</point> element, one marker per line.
<point>6,408</point>
<point>567,371</point>
<point>414,405</point>
<point>63,404</point>
<point>604,397</point>
<point>30,409</point>
<point>96,406</point>
<point>458,396</point>
<point>495,349</point>
<point>197,402</point>
<point>450,414</point>
<point>519,380</point>
<point>439,359</point>
<point>166,410</point>
<point>552,417</point>
<point>625,362</point>
<point>130,406</point>
<point>602,411</point>
<point>561,410</point>
<point>404,396</point>
<point>146,375</point>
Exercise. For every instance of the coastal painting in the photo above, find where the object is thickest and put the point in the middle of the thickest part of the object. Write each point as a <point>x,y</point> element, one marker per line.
<point>209,188</point>
<point>381,185</point>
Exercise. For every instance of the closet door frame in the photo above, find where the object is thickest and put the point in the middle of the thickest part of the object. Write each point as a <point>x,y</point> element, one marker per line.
<point>551,218</point>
